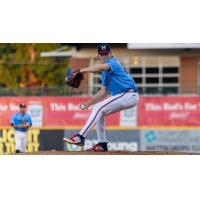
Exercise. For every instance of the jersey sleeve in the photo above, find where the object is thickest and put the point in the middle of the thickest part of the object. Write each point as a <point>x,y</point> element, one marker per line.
<point>104,79</point>
<point>112,63</point>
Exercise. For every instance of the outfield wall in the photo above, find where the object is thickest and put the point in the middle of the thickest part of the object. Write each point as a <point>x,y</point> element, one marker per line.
<point>141,139</point>
<point>157,123</point>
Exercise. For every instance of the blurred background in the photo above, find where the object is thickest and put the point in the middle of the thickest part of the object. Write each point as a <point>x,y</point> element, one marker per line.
<point>168,79</point>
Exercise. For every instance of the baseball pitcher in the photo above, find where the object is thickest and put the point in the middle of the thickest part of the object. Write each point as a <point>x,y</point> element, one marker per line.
<point>21,122</point>
<point>117,83</point>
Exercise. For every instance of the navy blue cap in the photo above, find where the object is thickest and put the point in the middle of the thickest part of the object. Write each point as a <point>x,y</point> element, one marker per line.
<point>103,48</point>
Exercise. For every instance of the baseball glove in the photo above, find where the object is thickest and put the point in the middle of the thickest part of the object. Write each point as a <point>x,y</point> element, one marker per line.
<point>74,78</point>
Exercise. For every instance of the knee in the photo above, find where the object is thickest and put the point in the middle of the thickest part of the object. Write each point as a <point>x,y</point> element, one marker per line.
<point>98,109</point>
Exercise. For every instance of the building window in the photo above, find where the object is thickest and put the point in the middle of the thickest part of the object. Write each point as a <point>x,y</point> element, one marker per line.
<point>156,74</point>
<point>152,70</point>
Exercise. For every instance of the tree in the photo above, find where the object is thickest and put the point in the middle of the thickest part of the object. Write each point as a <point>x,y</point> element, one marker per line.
<point>22,66</point>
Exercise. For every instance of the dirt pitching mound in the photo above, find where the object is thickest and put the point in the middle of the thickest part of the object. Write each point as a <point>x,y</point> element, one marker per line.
<point>108,153</point>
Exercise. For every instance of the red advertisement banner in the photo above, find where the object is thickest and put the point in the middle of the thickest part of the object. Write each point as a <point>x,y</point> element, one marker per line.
<point>50,111</point>
<point>169,111</point>
<point>64,111</point>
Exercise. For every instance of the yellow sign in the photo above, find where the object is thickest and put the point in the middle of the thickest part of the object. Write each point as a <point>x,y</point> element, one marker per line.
<point>7,142</point>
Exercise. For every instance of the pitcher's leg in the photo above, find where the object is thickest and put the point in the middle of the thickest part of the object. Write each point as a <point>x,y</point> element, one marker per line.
<point>79,139</point>
<point>97,112</point>
<point>108,106</point>
<point>94,117</point>
<point>100,128</point>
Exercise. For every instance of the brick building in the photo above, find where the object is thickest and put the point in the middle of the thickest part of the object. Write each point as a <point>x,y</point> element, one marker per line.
<point>158,70</point>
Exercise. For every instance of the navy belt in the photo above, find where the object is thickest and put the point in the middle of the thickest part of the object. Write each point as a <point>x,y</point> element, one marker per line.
<point>132,90</point>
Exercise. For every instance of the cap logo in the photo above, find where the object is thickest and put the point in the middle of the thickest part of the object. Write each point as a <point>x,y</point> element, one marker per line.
<point>103,48</point>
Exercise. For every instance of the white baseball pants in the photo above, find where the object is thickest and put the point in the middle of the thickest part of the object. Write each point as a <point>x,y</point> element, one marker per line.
<point>106,107</point>
<point>20,140</point>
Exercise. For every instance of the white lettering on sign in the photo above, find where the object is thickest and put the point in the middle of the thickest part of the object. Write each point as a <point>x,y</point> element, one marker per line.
<point>180,116</point>
<point>176,106</point>
<point>187,106</point>
<point>72,106</point>
<point>3,107</point>
<point>13,107</point>
<point>152,107</point>
<point>57,107</point>
<point>190,106</point>
<point>81,115</point>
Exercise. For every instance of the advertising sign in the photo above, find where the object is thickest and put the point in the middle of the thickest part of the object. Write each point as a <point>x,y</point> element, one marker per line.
<point>170,140</point>
<point>50,111</point>
<point>169,111</point>
<point>7,142</point>
<point>36,112</point>
<point>37,140</point>
<point>64,111</point>
<point>118,141</point>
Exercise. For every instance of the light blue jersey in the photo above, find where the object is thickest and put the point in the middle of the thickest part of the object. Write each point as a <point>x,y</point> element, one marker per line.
<point>117,79</point>
<point>20,119</point>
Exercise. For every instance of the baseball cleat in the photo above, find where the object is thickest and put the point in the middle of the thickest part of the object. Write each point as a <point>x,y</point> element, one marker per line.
<point>99,147</point>
<point>77,139</point>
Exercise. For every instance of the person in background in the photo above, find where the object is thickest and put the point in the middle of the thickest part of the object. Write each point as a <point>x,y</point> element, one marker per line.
<point>21,122</point>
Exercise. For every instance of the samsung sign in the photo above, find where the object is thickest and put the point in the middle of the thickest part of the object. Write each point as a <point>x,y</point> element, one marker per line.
<point>163,45</point>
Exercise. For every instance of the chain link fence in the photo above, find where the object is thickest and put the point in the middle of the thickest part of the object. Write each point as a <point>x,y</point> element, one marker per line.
<point>67,91</point>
